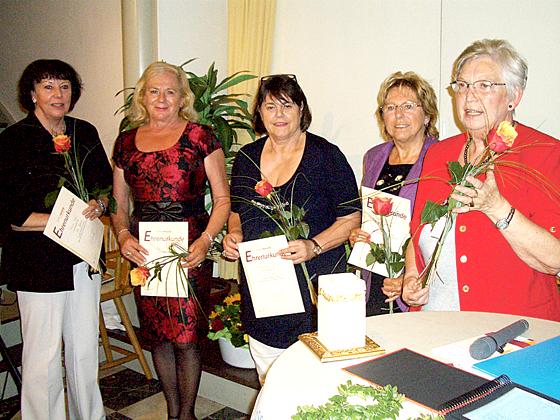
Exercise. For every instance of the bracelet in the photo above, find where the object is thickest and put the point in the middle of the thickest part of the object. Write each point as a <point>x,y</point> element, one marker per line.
<point>210,238</point>
<point>317,249</point>
<point>101,205</point>
<point>121,231</point>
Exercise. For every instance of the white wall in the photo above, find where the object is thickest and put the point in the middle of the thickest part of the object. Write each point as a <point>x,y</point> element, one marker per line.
<point>86,34</point>
<point>193,28</point>
<point>341,51</point>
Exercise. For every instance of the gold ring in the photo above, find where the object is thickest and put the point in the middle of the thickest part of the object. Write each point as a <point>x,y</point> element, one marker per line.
<point>128,253</point>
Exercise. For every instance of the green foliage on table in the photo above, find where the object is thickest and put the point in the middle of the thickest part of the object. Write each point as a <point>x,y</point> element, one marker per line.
<point>358,402</point>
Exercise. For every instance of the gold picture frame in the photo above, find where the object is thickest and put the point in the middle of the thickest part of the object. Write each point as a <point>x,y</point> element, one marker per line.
<point>311,340</point>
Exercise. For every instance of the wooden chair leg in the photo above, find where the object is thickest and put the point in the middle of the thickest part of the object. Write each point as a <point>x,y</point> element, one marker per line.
<point>104,337</point>
<point>132,336</point>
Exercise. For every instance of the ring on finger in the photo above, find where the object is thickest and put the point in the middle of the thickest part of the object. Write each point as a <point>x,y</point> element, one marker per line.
<point>471,204</point>
<point>128,253</point>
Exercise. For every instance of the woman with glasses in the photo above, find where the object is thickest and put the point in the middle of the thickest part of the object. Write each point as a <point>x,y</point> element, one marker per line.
<point>306,171</point>
<point>503,252</point>
<point>407,115</point>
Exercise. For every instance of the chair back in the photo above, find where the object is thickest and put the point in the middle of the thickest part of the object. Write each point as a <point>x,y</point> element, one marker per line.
<point>115,280</point>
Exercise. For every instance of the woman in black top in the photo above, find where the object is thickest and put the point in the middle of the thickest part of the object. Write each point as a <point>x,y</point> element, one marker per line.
<point>58,299</point>
<point>306,171</point>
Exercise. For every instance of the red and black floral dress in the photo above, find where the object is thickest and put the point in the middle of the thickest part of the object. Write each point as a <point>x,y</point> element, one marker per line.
<point>169,185</point>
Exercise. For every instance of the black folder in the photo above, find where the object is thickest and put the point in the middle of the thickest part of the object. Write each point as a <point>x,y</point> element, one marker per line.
<point>450,391</point>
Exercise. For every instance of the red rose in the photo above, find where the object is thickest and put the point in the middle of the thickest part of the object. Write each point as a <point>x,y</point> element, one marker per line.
<point>263,188</point>
<point>61,143</point>
<point>501,139</point>
<point>495,142</point>
<point>217,325</point>
<point>382,206</point>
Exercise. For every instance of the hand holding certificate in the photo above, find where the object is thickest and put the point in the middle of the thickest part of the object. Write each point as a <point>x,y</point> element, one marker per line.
<point>68,227</point>
<point>157,238</point>
<point>272,280</point>
<point>388,226</point>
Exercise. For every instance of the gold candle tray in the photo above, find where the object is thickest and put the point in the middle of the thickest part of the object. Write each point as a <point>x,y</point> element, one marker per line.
<point>325,355</point>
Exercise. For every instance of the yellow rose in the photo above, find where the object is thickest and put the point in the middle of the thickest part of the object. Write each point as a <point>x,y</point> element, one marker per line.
<point>507,132</point>
<point>139,276</point>
<point>232,299</point>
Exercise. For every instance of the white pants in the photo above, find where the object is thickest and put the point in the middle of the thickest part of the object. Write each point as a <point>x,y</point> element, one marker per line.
<point>46,320</point>
<point>264,356</point>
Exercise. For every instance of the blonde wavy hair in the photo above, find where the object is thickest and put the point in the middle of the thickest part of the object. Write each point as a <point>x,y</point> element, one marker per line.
<point>424,92</point>
<point>138,114</point>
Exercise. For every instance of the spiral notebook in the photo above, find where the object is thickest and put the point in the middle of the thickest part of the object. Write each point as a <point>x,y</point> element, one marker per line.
<point>453,392</point>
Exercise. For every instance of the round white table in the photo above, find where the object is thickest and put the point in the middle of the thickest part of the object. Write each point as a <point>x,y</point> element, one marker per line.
<point>299,378</point>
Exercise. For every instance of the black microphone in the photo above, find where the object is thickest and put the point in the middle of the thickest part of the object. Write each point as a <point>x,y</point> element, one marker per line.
<point>484,347</point>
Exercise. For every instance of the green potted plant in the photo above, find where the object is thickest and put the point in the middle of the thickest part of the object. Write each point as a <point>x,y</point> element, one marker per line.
<point>225,326</point>
<point>225,113</point>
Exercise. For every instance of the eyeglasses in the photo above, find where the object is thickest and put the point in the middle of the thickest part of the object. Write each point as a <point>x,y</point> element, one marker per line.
<point>406,107</point>
<point>480,86</point>
<point>271,76</point>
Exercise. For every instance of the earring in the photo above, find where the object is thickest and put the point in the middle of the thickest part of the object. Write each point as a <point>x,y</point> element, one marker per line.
<point>510,106</point>
<point>34,100</point>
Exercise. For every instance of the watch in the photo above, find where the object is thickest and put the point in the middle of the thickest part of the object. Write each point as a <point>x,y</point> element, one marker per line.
<point>504,223</point>
<point>317,249</point>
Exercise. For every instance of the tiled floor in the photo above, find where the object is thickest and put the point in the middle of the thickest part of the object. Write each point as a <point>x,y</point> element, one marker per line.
<point>128,395</point>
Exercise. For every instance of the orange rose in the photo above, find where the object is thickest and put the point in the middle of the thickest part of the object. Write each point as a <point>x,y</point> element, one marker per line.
<point>507,132</point>
<point>263,188</point>
<point>139,276</point>
<point>501,139</point>
<point>61,143</point>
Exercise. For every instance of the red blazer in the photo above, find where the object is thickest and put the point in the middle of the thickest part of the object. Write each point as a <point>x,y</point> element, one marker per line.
<point>491,277</point>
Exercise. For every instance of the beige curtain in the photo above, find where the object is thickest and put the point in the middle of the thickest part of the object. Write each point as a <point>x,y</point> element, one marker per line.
<point>250,32</point>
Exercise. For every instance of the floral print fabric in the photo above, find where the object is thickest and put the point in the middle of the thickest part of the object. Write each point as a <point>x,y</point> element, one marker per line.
<point>175,174</point>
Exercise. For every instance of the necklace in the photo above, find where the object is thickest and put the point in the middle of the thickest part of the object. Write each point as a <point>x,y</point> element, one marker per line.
<point>466,153</point>
<point>61,130</point>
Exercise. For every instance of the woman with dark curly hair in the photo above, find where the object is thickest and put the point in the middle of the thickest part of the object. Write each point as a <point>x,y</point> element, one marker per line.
<point>58,299</point>
<point>306,171</point>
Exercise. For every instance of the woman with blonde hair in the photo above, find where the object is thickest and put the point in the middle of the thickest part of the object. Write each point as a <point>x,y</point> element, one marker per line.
<point>164,163</point>
<point>407,114</point>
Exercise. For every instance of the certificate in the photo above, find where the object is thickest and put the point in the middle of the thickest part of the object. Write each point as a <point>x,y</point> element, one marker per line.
<point>398,222</point>
<point>157,237</point>
<point>69,228</point>
<point>272,281</point>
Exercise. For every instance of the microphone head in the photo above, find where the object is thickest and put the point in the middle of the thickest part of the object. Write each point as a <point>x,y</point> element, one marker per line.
<point>482,348</point>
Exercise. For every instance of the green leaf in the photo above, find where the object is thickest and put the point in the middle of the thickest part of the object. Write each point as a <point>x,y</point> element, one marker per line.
<point>50,198</point>
<point>432,212</point>
<point>303,228</point>
<point>233,80</point>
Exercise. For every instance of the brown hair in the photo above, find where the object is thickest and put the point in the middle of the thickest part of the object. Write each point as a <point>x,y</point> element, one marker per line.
<point>281,87</point>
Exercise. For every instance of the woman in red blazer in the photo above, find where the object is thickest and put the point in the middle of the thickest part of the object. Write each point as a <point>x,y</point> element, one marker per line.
<point>503,252</point>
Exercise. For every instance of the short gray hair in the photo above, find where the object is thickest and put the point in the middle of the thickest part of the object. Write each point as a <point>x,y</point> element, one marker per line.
<point>514,66</point>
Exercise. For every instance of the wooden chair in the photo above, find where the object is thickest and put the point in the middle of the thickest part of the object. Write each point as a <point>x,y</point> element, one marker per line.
<point>115,285</point>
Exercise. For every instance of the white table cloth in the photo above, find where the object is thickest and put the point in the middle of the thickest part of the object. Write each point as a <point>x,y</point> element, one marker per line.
<point>299,378</point>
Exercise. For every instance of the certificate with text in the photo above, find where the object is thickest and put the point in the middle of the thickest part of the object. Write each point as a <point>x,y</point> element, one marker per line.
<point>69,228</point>
<point>157,237</point>
<point>272,281</point>
<point>398,222</point>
